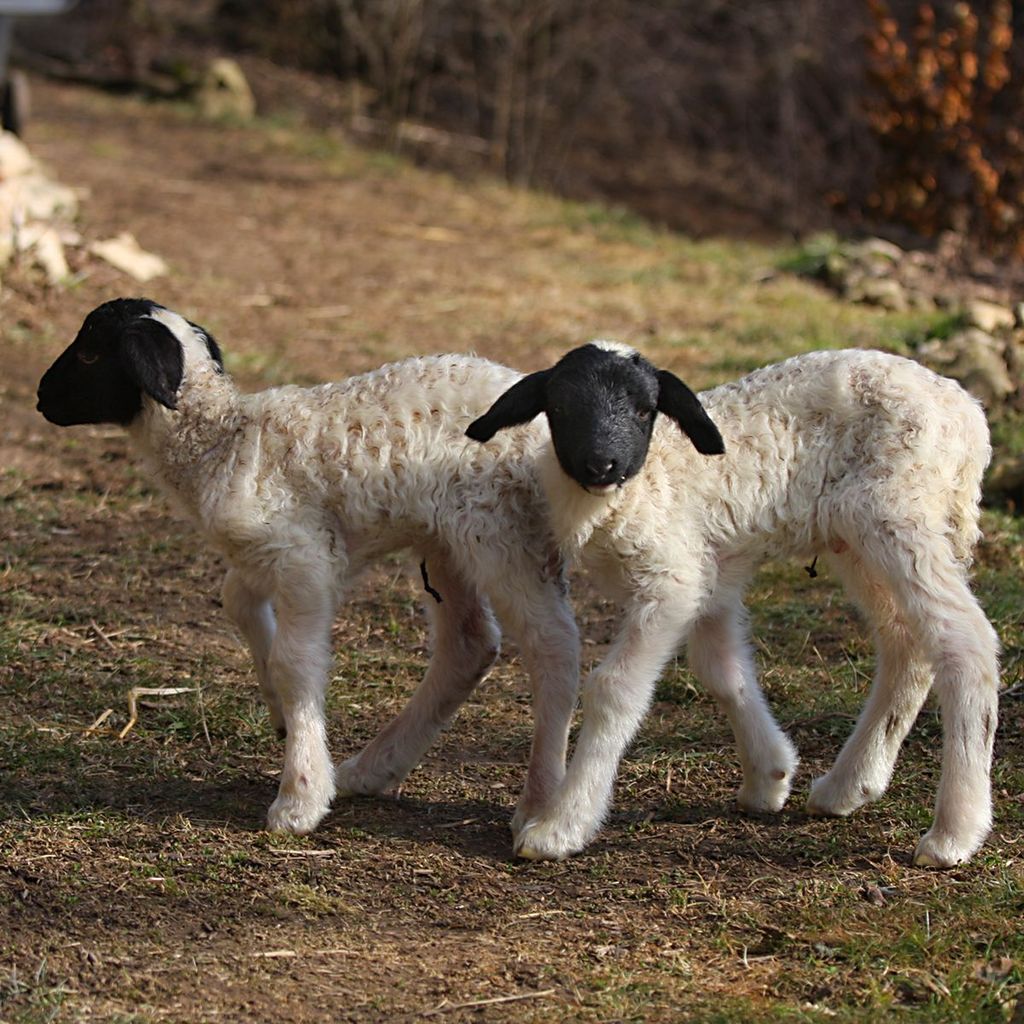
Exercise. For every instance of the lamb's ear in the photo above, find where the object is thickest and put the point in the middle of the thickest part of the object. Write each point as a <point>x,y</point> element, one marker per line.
<point>524,400</point>
<point>153,359</point>
<point>675,399</point>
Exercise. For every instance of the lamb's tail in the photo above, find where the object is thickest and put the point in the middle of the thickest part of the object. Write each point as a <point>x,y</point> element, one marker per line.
<point>967,463</point>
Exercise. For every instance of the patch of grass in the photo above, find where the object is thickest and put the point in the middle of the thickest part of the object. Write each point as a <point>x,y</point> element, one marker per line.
<point>31,998</point>
<point>149,853</point>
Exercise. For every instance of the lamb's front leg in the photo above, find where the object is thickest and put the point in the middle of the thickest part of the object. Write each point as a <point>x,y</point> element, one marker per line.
<point>298,664</point>
<point>616,696</point>
<point>253,615</point>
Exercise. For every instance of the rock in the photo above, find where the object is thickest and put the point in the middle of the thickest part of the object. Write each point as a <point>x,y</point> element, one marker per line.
<point>224,92</point>
<point>988,316</point>
<point>125,253</point>
<point>920,300</point>
<point>880,291</point>
<point>15,159</point>
<point>876,248</point>
<point>49,254</point>
<point>1005,478</point>
<point>976,360</point>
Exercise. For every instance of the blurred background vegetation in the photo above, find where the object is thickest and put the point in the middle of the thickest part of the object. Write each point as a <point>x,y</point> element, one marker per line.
<point>715,117</point>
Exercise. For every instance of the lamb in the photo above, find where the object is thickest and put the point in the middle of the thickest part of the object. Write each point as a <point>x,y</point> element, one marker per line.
<point>868,460</point>
<point>299,489</point>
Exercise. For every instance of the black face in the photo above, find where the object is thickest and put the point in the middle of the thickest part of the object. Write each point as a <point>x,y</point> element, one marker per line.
<point>119,355</point>
<point>601,408</point>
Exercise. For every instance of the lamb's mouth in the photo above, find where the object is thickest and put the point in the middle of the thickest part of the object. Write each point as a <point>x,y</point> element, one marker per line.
<point>601,490</point>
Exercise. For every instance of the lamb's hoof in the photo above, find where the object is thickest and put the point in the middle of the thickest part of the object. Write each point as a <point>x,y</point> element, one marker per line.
<point>299,817</point>
<point>351,780</point>
<point>765,798</point>
<point>540,840</point>
<point>938,850</point>
<point>827,800</point>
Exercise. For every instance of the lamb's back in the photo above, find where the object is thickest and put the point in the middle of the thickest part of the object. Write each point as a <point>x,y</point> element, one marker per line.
<point>390,443</point>
<point>818,438</point>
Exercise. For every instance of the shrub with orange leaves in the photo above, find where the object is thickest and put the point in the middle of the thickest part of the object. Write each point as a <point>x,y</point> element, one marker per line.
<point>945,113</point>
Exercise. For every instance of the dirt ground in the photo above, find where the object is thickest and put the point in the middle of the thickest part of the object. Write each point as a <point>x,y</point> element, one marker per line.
<point>136,883</point>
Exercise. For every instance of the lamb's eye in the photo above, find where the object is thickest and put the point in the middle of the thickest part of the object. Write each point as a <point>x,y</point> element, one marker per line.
<point>88,358</point>
<point>643,414</point>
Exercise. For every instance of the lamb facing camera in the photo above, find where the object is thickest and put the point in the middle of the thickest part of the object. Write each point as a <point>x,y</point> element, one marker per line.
<point>299,489</point>
<point>868,460</point>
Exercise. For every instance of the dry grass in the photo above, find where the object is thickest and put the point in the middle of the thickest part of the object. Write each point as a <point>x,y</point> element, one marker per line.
<point>136,883</point>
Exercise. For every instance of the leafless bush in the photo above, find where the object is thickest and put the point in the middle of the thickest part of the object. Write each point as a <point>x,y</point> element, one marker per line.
<point>710,115</point>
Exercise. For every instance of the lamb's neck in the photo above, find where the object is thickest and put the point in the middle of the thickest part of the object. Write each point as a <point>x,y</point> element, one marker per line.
<point>575,513</point>
<point>187,448</point>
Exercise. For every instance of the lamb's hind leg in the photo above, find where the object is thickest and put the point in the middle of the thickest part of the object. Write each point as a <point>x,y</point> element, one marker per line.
<point>253,615</point>
<point>931,595</point>
<point>465,644</point>
<point>721,658</point>
<point>903,677</point>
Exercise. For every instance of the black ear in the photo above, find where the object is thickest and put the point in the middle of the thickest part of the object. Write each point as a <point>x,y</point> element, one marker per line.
<point>153,359</point>
<point>675,399</point>
<point>524,400</point>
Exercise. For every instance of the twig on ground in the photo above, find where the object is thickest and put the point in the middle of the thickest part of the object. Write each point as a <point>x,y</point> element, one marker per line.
<point>202,717</point>
<point>99,721</point>
<point>447,1007</point>
<point>303,853</point>
<point>103,636</point>
<point>148,691</point>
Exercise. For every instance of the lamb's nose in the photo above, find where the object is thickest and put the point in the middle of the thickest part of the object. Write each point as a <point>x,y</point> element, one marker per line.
<point>600,467</point>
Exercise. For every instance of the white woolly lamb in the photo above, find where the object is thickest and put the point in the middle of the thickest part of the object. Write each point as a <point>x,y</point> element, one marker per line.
<point>298,489</point>
<point>866,459</point>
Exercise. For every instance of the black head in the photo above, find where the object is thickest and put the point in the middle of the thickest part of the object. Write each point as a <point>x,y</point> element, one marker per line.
<point>119,355</point>
<point>601,404</point>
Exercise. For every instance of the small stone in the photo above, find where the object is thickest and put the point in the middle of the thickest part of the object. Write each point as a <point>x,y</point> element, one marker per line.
<point>988,316</point>
<point>49,254</point>
<point>880,291</point>
<point>224,92</point>
<point>15,159</point>
<point>976,360</point>
<point>125,253</point>
<point>877,248</point>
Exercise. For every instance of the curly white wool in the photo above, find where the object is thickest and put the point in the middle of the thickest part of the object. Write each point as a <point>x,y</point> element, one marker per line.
<point>872,462</point>
<point>300,488</point>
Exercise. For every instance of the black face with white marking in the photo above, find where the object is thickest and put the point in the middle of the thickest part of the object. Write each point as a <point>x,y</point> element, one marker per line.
<point>601,403</point>
<point>601,407</point>
<point>120,354</point>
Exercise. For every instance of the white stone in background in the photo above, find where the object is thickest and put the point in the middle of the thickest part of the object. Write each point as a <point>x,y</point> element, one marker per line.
<point>877,247</point>
<point>988,316</point>
<point>49,254</point>
<point>15,159</point>
<point>976,360</point>
<point>224,91</point>
<point>885,292</point>
<point>125,253</point>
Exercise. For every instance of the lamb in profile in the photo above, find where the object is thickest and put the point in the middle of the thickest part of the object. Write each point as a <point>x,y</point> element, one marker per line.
<point>866,459</point>
<point>299,489</point>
